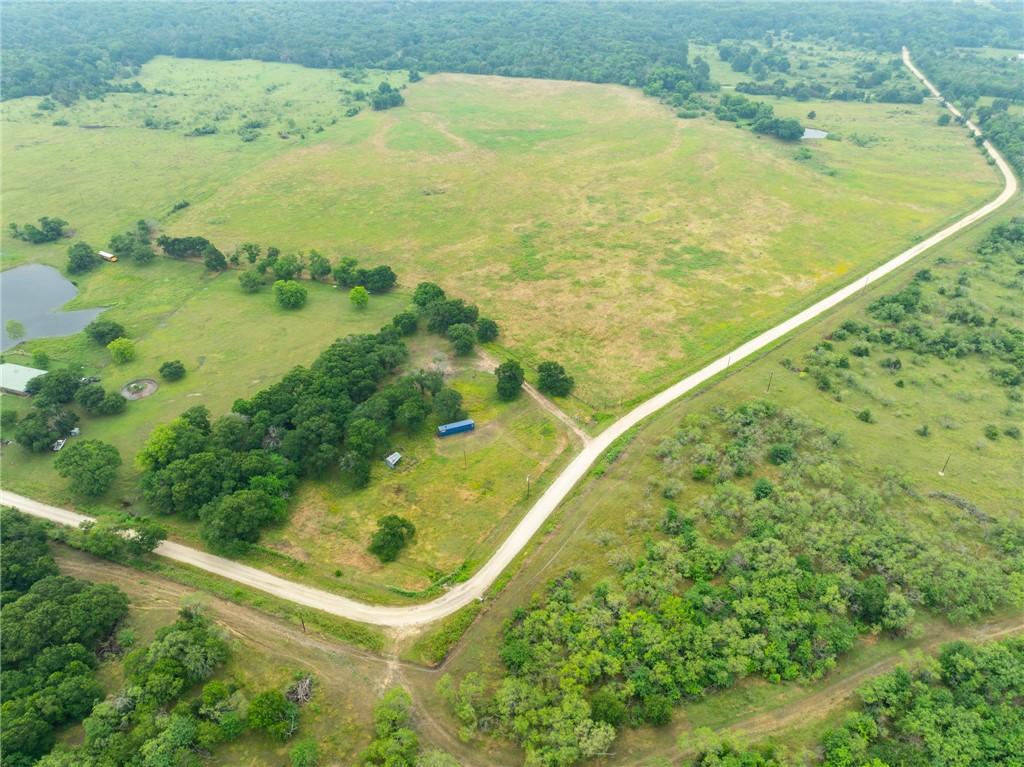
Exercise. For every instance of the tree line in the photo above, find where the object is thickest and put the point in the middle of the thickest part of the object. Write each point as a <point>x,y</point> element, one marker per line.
<point>71,50</point>
<point>235,473</point>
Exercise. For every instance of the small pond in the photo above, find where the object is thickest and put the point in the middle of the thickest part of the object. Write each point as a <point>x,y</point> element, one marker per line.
<point>814,133</point>
<point>34,296</point>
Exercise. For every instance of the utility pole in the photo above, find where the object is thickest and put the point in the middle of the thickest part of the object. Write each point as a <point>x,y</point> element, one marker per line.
<point>770,375</point>
<point>527,487</point>
<point>943,472</point>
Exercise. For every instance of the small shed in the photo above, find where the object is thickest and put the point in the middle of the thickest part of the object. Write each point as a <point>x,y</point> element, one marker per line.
<point>393,459</point>
<point>456,427</point>
<point>14,378</point>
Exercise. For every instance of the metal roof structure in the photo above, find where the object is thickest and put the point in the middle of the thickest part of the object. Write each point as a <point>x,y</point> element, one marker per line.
<point>15,378</point>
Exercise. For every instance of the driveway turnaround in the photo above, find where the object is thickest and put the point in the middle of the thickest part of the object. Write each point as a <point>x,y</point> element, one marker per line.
<point>474,588</point>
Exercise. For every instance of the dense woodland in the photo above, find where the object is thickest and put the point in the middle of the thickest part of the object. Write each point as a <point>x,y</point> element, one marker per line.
<point>51,627</point>
<point>55,632</point>
<point>68,50</point>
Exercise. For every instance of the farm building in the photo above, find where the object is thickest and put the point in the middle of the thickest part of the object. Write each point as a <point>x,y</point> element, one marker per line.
<point>14,378</point>
<point>455,428</point>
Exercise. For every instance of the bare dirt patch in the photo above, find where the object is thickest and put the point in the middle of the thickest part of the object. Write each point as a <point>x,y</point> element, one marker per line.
<point>140,388</point>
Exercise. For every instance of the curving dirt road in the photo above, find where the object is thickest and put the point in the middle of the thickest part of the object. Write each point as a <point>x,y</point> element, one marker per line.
<point>476,586</point>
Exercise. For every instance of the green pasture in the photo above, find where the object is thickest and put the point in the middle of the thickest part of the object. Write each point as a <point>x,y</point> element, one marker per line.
<point>233,344</point>
<point>597,228</point>
<point>103,170</point>
<point>464,494</point>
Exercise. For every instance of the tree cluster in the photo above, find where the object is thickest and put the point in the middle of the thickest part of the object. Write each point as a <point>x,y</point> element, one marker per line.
<point>95,400</point>
<point>149,721</point>
<point>193,247</point>
<point>735,107</point>
<point>236,473</point>
<point>750,58</point>
<point>393,534</point>
<point>379,279</point>
<point>510,379</point>
<point>172,370</point>
<point>109,537</point>
<point>50,626</point>
<point>82,259</point>
<point>386,97</point>
<point>289,294</point>
<point>134,245</point>
<point>1006,132</point>
<point>460,322</point>
<point>41,427</point>
<point>50,418</point>
<point>103,331</point>
<point>49,230</point>
<point>90,465</point>
<point>552,379</point>
<point>960,708</point>
<point>395,743</point>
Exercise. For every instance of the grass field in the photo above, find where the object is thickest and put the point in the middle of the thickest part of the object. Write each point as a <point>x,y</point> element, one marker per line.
<point>232,345</point>
<point>464,495</point>
<point>597,228</point>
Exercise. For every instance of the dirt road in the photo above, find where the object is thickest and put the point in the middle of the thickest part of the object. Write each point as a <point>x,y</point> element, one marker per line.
<point>476,586</point>
<point>489,363</point>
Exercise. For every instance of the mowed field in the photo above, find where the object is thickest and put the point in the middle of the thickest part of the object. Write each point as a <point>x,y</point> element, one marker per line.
<point>596,227</point>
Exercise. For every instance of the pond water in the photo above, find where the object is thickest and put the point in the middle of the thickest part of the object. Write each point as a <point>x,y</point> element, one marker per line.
<point>814,133</point>
<point>34,296</point>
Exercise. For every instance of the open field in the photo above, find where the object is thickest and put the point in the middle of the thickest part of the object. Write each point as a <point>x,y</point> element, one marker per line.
<point>614,516</point>
<point>569,212</point>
